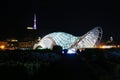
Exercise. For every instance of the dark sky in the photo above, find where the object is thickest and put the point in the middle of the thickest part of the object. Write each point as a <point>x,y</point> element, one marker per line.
<point>69,16</point>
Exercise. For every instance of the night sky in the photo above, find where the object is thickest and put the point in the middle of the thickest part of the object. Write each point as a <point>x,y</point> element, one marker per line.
<point>69,16</point>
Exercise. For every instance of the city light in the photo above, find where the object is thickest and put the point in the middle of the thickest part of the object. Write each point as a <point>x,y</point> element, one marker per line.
<point>2,47</point>
<point>29,27</point>
<point>107,46</point>
<point>14,40</point>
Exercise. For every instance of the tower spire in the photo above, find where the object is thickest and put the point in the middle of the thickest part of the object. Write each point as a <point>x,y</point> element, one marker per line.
<point>34,27</point>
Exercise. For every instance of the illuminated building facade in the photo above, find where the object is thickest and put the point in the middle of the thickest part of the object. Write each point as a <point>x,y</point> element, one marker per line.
<point>25,45</point>
<point>66,41</point>
<point>12,44</point>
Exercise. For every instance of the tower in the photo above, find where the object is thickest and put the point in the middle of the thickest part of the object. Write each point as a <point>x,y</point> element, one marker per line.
<point>34,26</point>
<point>111,38</point>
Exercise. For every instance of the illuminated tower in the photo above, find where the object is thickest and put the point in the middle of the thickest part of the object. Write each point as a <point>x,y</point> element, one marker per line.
<point>34,27</point>
<point>111,38</point>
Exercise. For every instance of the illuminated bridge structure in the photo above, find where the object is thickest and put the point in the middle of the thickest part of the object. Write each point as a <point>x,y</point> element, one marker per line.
<point>89,40</point>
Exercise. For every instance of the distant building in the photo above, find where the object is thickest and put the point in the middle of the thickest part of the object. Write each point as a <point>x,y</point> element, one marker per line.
<point>30,28</point>
<point>26,45</point>
<point>34,27</point>
<point>12,44</point>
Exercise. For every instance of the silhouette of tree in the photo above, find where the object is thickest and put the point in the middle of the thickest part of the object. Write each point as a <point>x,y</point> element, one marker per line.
<point>57,49</point>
